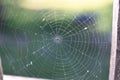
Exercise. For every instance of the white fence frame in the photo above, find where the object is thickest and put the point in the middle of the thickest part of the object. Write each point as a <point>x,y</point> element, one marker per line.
<point>114,40</point>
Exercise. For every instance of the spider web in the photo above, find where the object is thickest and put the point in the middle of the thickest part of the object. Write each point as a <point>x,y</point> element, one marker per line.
<point>58,45</point>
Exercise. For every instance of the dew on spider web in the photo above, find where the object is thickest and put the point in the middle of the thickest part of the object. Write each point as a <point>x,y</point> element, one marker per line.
<point>72,46</point>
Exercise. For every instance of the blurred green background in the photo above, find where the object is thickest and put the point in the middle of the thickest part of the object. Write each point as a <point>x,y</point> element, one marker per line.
<point>55,43</point>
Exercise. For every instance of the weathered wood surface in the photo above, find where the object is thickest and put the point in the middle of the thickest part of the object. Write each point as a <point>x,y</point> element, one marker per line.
<point>114,40</point>
<point>117,70</point>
